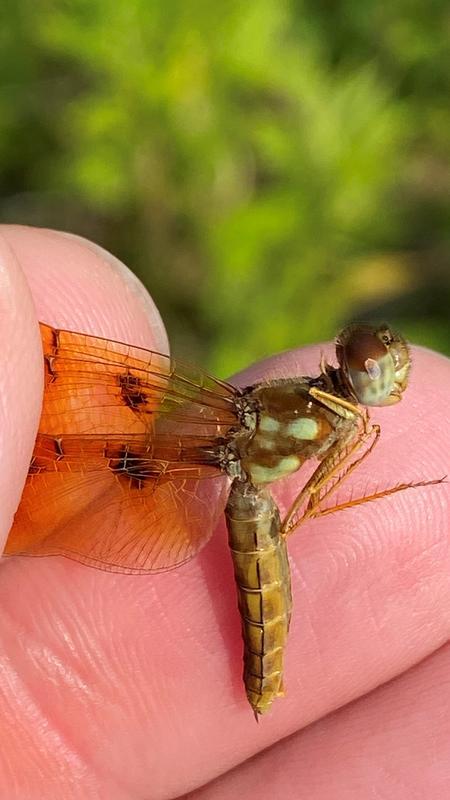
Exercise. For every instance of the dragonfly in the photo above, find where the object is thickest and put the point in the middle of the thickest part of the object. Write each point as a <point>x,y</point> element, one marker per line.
<point>137,456</point>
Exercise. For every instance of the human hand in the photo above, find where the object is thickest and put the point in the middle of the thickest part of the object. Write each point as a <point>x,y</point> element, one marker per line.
<point>122,687</point>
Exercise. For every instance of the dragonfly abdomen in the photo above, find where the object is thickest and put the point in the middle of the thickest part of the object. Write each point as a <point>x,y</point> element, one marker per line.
<point>262,576</point>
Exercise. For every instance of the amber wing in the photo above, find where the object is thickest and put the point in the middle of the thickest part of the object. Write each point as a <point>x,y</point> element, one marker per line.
<point>125,440</point>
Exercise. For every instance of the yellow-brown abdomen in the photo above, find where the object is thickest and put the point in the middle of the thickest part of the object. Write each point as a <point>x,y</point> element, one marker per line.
<point>262,575</point>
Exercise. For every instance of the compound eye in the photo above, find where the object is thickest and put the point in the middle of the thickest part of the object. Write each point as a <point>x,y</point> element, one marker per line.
<point>363,348</point>
<point>370,359</point>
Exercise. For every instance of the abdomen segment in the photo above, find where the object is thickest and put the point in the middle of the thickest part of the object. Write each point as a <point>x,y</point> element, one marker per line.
<point>262,576</point>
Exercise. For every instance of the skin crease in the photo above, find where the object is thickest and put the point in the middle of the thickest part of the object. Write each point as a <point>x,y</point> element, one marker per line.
<point>127,688</point>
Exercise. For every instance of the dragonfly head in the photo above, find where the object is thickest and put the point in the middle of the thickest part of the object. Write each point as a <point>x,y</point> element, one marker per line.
<point>374,364</point>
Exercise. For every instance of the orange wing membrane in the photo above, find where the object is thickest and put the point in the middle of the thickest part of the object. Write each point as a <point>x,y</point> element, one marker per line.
<point>125,439</point>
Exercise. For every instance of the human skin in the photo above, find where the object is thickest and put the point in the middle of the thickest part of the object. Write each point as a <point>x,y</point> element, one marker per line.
<point>125,687</point>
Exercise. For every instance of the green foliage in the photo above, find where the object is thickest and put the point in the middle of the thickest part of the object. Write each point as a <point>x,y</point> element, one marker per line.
<point>270,169</point>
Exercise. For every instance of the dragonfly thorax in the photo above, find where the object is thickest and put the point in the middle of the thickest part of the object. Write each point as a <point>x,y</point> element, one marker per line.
<point>291,427</point>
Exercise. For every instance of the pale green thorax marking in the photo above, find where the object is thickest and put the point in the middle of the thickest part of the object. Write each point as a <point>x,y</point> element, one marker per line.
<point>268,424</point>
<point>285,466</point>
<point>303,428</point>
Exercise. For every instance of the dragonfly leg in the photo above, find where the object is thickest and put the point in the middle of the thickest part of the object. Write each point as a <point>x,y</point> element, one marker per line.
<point>344,408</point>
<point>321,485</point>
<point>313,509</point>
<point>326,479</point>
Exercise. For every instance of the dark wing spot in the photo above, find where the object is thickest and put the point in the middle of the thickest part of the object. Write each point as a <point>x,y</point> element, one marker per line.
<point>55,338</point>
<point>50,356</point>
<point>131,391</point>
<point>45,458</point>
<point>129,466</point>
<point>50,373</point>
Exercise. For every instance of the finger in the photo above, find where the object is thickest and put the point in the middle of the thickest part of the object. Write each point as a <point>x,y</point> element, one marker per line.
<point>80,286</point>
<point>75,284</point>
<point>393,743</point>
<point>20,381</point>
<point>371,585</point>
<point>173,663</point>
<point>371,576</point>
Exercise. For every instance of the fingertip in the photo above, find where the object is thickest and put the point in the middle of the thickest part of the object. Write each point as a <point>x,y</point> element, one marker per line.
<point>68,282</point>
<point>78,285</point>
<point>20,384</point>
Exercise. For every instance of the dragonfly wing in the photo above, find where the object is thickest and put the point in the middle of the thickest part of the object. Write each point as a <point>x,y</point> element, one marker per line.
<point>95,386</point>
<point>124,440</point>
<point>115,523</point>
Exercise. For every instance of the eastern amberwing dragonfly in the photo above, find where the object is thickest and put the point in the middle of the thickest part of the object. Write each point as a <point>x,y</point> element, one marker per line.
<point>127,437</point>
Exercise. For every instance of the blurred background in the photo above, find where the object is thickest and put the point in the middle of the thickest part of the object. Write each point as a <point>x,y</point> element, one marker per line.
<point>270,169</point>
